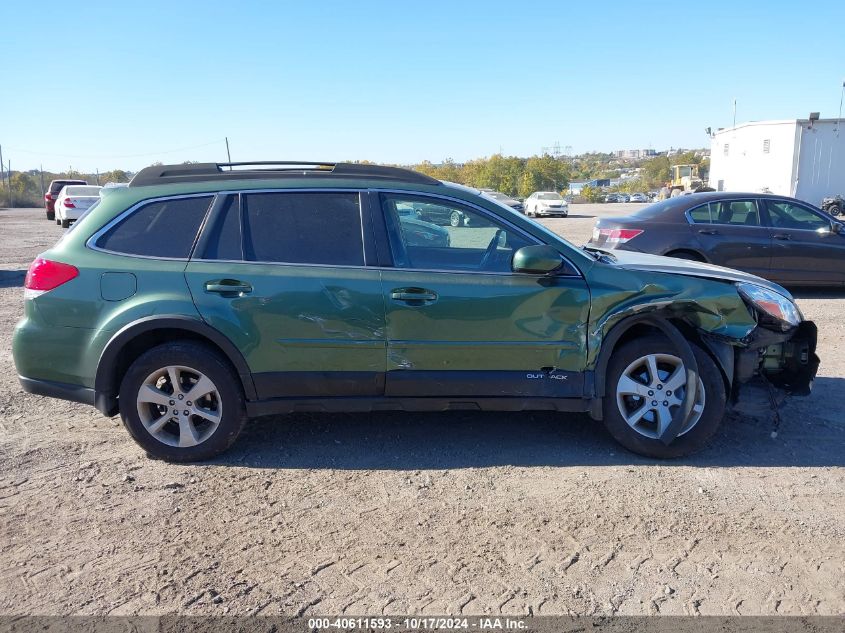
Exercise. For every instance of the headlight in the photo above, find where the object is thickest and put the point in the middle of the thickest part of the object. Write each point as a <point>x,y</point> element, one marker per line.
<point>771,303</point>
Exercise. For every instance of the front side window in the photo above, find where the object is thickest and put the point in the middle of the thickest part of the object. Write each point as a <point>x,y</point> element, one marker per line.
<point>786,215</point>
<point>735,212</point>
<point>439,235</point>
<point>165,228</point>
<point>303,228</point>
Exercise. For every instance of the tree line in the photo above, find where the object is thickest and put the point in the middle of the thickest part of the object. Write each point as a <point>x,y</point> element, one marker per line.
<point>27,188</point>
<point>511,175</point>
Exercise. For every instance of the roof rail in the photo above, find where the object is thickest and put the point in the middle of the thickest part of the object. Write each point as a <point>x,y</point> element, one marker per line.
<point>195,172</point>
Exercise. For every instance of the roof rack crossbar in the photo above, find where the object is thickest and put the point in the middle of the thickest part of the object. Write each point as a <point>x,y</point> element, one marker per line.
<point>194,172</point>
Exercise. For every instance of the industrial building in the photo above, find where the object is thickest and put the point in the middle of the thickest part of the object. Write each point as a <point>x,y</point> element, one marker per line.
<point>802,158</point>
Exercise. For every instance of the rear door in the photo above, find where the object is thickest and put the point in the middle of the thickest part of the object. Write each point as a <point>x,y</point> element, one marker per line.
<point>460,323</point>
<point>732,233</point>
<point>804,249</point>
<point>284,276</point>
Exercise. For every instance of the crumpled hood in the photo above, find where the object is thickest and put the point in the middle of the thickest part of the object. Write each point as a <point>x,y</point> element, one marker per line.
<point>632,260</point>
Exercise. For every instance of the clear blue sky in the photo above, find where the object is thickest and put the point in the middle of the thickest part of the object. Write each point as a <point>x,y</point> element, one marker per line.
<point>122,84</point>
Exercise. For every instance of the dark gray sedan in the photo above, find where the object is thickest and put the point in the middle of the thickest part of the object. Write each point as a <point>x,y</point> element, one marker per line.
<point>779,238</point>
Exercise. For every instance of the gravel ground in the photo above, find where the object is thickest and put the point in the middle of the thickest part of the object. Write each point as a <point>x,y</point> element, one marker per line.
<point>472,513</point>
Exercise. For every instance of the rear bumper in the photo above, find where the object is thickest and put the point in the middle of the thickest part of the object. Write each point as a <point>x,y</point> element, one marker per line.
<point>73,393</point>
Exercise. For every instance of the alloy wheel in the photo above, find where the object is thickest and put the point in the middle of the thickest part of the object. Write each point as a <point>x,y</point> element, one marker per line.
<point>651,390</point>
<point>179,406</point>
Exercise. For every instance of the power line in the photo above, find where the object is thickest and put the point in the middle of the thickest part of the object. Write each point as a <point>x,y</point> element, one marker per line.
<point>105,156</point>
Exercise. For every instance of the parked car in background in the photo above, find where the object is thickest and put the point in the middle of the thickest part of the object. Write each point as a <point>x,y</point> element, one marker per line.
<point>611,197</point>
<point>417,232</point>
<point>779,238</point>
<point>638,197</point>
<point>73,201</point>
<point>623,197</point>
<point>833,205</point>
<point>53,193</point>
<point>513,203</point>
<point>546,204</point>
<point>439,214</point>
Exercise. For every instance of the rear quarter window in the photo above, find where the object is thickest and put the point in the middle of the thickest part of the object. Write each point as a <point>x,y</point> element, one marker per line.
<point>164,228</point>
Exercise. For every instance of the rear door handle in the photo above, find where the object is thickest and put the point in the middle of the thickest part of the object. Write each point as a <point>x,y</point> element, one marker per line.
<point>228,287</point>
<point>413,296</point>
<point>782,236</point>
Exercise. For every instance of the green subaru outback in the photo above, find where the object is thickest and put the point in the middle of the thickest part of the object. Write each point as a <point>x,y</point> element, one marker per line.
<point>202,295</point>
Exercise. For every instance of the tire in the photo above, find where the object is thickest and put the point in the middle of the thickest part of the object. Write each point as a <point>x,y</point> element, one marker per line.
<point>51,216</point>
<point>835,210</point>
<point>642,439</point>
<point>182,437</point>
<point>455,219</point>
<point>65,224</point>
<point>58,222</point>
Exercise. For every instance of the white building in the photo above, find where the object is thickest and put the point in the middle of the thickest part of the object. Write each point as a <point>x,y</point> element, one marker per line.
<point>798,157</point>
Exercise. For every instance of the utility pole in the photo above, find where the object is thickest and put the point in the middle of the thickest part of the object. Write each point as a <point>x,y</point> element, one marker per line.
<point>97,169</point>
<point>2,171</point>
<point>41,172</point>
<point>9,180</point>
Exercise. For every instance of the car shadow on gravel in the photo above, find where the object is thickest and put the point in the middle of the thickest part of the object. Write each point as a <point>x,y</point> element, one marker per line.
<point>12,278</point>
<point>805,437</point>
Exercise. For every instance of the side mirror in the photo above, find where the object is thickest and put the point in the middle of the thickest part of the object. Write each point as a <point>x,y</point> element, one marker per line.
<point>836,227</point>
<point>537,260</point>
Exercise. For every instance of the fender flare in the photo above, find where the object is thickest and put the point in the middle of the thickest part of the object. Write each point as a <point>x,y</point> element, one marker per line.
<point>104,382</point>
<point>684,350</point>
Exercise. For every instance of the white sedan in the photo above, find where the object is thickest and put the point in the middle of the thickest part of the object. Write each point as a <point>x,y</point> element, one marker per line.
<point>73,201</point>
<point>545,204</point>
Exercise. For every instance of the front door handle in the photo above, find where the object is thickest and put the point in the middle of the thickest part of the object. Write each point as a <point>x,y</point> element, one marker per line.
<point>413,296</point>
<point>708,231</point>
<point>228,287</point>
<point>782,236</point>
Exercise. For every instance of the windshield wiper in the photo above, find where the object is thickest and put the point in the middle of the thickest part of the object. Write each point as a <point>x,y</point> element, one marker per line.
<point>600,254</point>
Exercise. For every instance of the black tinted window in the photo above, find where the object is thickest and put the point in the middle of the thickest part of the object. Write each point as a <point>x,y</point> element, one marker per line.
<point>159,229</point>
<point>225,239</point>
<point>303,228</point>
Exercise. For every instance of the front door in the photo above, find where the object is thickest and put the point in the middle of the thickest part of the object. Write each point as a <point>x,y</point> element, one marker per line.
<point>283,276</point>
<point>804,249</point>
<point>459,322</point>
<point>732,234</point>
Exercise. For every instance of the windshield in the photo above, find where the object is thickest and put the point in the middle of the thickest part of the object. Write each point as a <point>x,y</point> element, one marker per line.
<point>549,196</point>
<point>497,195</point>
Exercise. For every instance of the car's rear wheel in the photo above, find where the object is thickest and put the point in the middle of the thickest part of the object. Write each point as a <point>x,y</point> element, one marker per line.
<point>835,210</point>
<point>65,223</point>
<point>455,219</point>
<point>646,383</point>
<point>182,402</point>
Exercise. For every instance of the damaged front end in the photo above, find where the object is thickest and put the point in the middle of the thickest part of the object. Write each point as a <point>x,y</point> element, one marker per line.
<point>787,359</point>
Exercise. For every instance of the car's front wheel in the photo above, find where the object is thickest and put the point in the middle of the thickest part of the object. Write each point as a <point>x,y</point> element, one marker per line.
<point>646,383</point>
<point>182,402</point>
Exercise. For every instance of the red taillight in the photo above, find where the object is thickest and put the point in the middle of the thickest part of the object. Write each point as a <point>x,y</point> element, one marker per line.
<point>620,236</point>
<point>48,196</point>
<point>67,202</point>
<point>44,275</point>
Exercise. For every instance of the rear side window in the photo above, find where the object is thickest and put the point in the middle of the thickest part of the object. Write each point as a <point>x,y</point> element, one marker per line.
<point>225,237</point>
<point>736,212</point>
<point>166,228</point>
<point>303,228</point>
